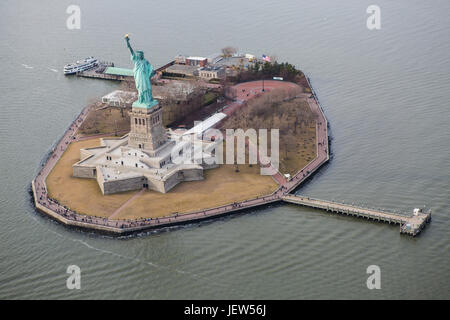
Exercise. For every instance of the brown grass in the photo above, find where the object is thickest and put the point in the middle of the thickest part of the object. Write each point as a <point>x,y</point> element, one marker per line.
<point>108,120</point>
<point>221,186</point>
<point>298,150</point>
<point>293,118</point>
<point>81,195</point>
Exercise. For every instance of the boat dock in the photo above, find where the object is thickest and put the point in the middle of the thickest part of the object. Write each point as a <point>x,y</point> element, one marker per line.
<point>411,225</point>
<point>107,71</point>
<point>101,72</point>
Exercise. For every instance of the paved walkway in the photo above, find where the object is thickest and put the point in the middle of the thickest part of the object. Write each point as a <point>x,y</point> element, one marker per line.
<point>118,210</point>
<point>67,216</point>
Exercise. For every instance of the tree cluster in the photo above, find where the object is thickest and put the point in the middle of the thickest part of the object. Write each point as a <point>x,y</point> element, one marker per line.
<point>279,108</point>
<point>268,70</point>
<point>228,51</point>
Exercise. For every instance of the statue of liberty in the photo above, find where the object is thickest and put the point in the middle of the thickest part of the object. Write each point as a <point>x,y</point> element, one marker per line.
<point>143,71</point>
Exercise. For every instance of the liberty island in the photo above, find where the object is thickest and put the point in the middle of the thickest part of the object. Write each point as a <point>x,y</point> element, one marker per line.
<point>142,160</point>
<point>384,93</point>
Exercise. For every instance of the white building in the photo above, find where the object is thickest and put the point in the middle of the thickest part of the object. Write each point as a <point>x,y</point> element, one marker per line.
<point>211,72</point>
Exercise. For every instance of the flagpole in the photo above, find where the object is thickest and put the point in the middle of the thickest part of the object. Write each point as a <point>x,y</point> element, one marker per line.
<point>265,59</point>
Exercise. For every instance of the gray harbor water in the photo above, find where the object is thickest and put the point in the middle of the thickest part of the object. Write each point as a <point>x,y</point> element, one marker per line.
<point>386,94</point>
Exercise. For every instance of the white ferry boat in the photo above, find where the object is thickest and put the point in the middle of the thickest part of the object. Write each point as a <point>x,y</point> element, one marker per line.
<point>80,65</point>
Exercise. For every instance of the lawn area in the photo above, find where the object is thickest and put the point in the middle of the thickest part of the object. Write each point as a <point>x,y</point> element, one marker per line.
<point>221,186</point>
<point>81,195</point>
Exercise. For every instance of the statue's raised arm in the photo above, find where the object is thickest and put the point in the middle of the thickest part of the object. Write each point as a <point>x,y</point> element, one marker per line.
<point>127,39</point>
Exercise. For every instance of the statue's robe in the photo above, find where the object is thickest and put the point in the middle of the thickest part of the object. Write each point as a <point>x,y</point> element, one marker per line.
<point>143,71</point>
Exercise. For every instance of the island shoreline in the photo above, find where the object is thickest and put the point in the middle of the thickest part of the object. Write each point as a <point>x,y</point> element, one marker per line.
<point>74,220</point>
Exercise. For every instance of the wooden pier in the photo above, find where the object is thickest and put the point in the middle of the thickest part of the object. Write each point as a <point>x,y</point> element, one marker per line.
<point>411,225</point>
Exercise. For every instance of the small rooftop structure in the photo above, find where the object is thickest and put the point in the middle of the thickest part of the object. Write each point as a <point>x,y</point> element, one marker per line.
<point>180,59</point>
<point>196,61</point>
<point>196,58</point>
<point>211,68</point>
<point>180,70</point>
<point>212,72</point>
<point>249,56</point>
<point>233,62</point>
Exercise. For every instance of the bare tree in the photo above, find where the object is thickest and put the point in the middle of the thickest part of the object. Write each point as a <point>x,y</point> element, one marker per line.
<point>228,51</point>
<point>128,85</point>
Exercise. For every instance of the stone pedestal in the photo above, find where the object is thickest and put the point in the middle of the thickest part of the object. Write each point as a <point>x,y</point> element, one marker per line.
<point>146,131</point>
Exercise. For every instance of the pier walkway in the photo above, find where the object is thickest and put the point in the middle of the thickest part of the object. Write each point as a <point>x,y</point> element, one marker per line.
<point>411,225</point>
<point>119,74</point>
